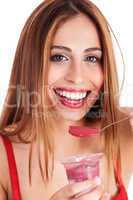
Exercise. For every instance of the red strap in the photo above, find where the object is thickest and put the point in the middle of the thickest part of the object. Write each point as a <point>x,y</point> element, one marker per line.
<point>118,172</point>
<point>12,169</point>
<point>122,194</point>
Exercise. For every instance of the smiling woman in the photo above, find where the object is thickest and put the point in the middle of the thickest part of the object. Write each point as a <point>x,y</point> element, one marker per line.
<point>64,75</point>
<point>75,60</point>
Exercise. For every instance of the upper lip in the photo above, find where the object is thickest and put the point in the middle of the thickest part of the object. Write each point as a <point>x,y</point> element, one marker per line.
<point>72,89</point>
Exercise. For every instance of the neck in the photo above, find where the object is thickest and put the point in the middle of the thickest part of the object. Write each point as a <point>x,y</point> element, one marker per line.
<point>67,145</point>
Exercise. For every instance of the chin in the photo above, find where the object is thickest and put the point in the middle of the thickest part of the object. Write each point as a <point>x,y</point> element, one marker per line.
<point>72,116</point>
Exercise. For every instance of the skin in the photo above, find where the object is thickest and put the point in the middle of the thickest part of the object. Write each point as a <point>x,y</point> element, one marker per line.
<point>76,73</point>
<point>73,69</point>
<point>77,68</point>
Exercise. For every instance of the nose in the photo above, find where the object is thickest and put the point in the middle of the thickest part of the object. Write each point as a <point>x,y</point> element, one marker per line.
<point>75,74</point>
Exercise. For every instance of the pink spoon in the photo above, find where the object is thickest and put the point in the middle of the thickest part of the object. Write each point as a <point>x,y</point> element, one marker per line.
<point>79,131</point>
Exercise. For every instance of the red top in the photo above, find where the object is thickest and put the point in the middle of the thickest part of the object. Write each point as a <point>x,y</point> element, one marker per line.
<point>16,194</point>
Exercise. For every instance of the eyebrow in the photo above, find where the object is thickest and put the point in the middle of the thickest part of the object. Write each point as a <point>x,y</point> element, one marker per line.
<point>69,50</point>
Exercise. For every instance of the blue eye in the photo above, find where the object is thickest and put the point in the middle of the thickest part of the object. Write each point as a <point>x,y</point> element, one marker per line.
<point>58,58</point>
<point>92,59</point>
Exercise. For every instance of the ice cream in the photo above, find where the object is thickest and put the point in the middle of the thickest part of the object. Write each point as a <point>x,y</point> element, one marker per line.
<point>82,167</point>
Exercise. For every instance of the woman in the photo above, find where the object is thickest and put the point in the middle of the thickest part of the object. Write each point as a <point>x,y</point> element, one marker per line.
<point>64,74</point>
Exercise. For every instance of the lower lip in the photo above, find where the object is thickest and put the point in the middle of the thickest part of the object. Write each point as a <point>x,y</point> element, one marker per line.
<point>71,103</point>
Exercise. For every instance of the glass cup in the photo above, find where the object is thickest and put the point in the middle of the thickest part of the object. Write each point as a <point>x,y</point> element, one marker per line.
<point>82,167</point>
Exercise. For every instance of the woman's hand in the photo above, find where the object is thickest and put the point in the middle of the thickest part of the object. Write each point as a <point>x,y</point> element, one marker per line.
<point>85,190</point>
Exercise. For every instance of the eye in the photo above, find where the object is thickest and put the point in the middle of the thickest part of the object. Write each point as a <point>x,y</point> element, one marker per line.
<point>58,58</point>
<point>92,59</point>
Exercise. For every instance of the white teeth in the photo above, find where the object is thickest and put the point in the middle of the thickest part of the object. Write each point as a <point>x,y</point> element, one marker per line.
<point>84,95</point>
<point>72,95</point>
<point>61,92</point>
<point>64,93</point>
<point>81,95</point>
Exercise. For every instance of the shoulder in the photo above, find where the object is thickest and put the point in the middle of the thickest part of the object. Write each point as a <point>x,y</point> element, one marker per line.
<point>3,156</point>
<point>126,135</point>
<point>126,127</point>
<point>21,153</point>
<point>4,168</point>
<point>4,171</point>
<point>128,112</point>
<point>125,131</point>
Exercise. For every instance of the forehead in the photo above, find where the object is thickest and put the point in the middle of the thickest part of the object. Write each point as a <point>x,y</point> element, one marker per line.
<point>77,31</point>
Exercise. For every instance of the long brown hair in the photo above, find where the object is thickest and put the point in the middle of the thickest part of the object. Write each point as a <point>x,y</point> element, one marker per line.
<point>32,114</point>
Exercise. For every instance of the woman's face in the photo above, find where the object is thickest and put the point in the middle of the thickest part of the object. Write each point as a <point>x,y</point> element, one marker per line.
<point>75,74</point>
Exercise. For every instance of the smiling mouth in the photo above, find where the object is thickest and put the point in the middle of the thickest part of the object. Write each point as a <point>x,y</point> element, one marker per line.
<point>72,96</point>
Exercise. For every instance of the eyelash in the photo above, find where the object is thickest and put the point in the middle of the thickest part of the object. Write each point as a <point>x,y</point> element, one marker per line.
<point>95,58</point>
<point>55,56</point>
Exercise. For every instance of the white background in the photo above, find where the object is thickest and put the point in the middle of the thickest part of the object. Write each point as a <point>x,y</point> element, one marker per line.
<point>13,15</point>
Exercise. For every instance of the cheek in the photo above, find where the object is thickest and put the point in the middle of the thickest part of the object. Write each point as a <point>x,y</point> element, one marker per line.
<point>99,79</point>
<point>54,75</point>
<point>96,77</point>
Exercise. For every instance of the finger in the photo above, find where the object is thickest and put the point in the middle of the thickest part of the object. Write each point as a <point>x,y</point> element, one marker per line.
<point>94,194</point>
<point>90,188</point>
<point>73,189</point>
<point>77,189</point>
